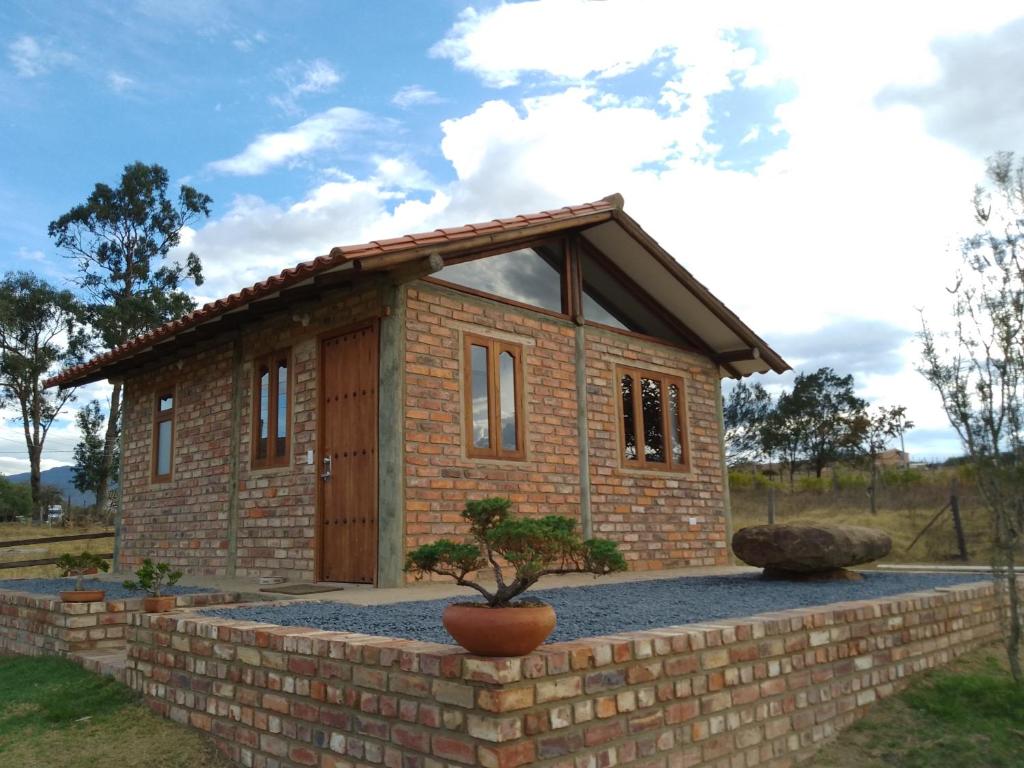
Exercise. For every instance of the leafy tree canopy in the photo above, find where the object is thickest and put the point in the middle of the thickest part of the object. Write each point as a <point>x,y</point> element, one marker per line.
<point>121,238</point>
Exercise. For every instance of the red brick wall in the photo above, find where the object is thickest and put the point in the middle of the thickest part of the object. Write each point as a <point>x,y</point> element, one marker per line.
<point>42,625</point>
<point>277,505</point>
<point>439,476</point>
<point>185,521</point>
<point>760,691</point>
<point>648,512</point>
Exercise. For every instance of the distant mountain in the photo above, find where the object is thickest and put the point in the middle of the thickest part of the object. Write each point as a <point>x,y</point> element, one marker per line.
<point>59,477</point>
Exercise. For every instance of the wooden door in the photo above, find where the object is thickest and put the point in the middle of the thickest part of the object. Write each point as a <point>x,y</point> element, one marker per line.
<point>348,456</point>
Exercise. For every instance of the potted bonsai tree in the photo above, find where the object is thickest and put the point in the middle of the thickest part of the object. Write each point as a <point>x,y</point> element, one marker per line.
<point>152,577</point>
<point>532,548</point>
<point>78,565</point>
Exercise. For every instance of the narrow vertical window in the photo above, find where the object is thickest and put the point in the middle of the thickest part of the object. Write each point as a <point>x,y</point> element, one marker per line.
<point>507,390</point>
<point>628,423</point>
<point>262,433</point>
<point>163,437</point>
<point>480,412</point>
<point>493,399</point>
<point>281,433</point>
<point>675,415</point>
<point>653,420</point>
<point>271,411</point>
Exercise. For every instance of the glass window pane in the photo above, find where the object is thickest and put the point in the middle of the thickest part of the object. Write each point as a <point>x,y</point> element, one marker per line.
<point>264,414</point>
<point>675,423</point>
<point>592,310</point>
<point>166,402</point>
<point>650,402</point>
<point>282,407</point>
<point>531,276</point>
<point>628,426</point>
<point>606,300</point>
<point>507,390</point>
<point>480,426</point>
<point>163,447</point>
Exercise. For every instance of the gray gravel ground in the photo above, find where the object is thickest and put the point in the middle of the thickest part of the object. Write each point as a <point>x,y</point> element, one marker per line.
<point>113,589</point>
<point>605,609</point>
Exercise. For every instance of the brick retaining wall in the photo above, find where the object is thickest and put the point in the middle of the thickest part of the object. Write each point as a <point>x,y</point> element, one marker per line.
<point>758,691</point>
<point>42,625</point>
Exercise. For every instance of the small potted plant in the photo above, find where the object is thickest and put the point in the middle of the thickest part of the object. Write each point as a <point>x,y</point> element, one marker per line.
<point>152,577</point>
<point>79,565</point>
<point>532,548</point>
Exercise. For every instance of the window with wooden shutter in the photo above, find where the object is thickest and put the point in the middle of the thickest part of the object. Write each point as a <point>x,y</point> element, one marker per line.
<point>271,431</point>
<point>493,384</point>
<point>652,420</point>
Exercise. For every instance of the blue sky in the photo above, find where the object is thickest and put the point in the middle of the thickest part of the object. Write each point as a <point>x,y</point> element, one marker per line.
<point>811,165</point>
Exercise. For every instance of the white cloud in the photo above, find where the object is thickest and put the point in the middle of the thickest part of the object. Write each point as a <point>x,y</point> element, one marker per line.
<point>855,218</point>
<point>246,43</point>
<point>319,132</point>
<point>256,238</point>
<point>30,254</point>
<point>413,95</point>
<point>32,57</point>
<point>302,78</point>
<point>120,83</point>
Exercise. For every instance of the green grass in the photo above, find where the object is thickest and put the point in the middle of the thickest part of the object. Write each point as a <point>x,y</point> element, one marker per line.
<point>54,713</point>
<point>970,715</point>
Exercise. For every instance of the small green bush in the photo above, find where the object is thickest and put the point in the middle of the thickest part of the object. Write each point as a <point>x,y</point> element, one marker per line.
<point>152,577</point>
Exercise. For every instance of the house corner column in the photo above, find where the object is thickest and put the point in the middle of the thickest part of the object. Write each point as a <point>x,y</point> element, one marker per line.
<point>583,431</point>
<point>119,514</point>
<point>234,462</point>
<point>726,499</point>
<point>391,441</point>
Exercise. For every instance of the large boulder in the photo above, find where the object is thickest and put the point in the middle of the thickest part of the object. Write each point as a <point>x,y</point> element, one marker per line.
<point>809,548</point>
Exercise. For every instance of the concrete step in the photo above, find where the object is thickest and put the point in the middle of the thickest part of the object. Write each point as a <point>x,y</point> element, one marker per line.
<point>110,662</point>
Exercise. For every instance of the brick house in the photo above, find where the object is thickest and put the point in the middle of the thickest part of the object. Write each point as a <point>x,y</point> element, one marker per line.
<point>319,423</point>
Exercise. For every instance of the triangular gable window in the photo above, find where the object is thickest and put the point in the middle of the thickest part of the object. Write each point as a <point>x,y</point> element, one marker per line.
<point>528,275</point>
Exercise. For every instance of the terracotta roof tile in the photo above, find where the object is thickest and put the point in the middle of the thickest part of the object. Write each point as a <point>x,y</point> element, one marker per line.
<point>307,269</point>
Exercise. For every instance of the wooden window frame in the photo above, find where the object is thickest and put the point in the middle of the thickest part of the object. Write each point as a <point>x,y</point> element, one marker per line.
<point>641,461</point>
<point>271,460</point>
<point>494,347</point>
<point>159,417</point>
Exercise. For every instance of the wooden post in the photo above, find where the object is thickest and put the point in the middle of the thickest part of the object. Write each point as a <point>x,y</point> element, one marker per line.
<point>583,430</point>
<point>958,526</point>
<point>391,446</point>
<point>726,501</point>
<point>771,505</point>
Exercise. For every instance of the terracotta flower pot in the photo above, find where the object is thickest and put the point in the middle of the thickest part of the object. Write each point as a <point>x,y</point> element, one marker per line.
<point>159,604</point>
<point>83,596</point>
<point>485,631</point>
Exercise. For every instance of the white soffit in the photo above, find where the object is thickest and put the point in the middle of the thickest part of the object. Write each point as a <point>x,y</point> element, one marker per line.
<point>635,261</point>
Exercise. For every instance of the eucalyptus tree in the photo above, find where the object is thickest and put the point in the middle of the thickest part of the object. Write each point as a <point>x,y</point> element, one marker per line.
<point>41,332</point>
<point>89,472</point>
<point>877,428</point>
<point>977,367</point>
<point>745,414</point>
<point>122,239</point>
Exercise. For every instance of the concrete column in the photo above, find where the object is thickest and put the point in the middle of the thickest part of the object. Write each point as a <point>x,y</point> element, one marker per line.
<point>234,462</point>
<point>583,431</point>
<point>391,441</point>
<point>726,501</point>
<point>115,566</point>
